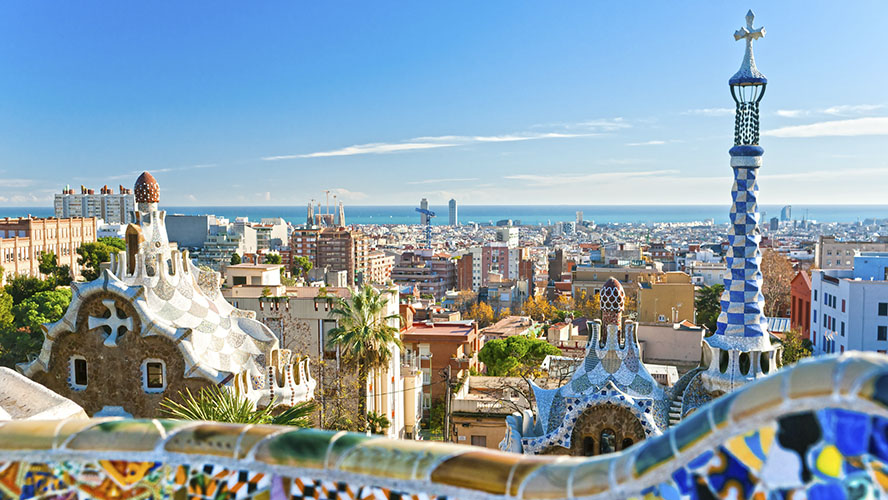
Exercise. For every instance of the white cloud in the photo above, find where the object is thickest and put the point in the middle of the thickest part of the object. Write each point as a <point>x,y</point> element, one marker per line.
<point>432,142</point>
<point>840,110</point>
<point>598,125</point>
<point>844,128</point>
<point>16,183</point>
<point>345,194</point>
<point>791,113</point>
<point>646,143</point>
<point>852,109</point>
<point>439,181</point>
<point>710,111</point>
<point>560,179</point>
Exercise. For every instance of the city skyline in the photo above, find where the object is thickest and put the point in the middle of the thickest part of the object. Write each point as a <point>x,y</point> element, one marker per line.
<point>487,104</point>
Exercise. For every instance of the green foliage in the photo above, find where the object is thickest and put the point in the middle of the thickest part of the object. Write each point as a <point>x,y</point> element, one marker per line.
<point>273,258</point>
<point>377,423</point>
<point>795,347</point>
<point>21,287</point>
<point>235,259</point>
<point>222,405</point>
<point>301,265</point>
<point>61,275</point>
<point>18,345</point>
<point>43,307</point>
<point>436,417</point>
<point>708,305</point>
<point>515,356</point>
<point>91,257</point>
<point>112,242</point>
<point>363,332</point>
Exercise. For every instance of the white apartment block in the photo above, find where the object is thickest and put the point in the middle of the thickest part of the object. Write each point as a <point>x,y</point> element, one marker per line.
<point>112,208</point>
<point>849,307</point>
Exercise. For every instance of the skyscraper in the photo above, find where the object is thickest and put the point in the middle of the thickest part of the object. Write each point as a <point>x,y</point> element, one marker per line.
<point>786,213</point>
<point>424,218</point>
<point>454,217</point>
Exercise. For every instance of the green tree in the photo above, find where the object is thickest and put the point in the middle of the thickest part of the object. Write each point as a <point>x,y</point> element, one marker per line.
<point>112,242</point>
<point>708,305</point>
<point>273,258</point>
<point>235,259</point>
<point>61,275</point>
<point>364,333</point>
<point>91,257</point>
<point>21,287</point>
<point>18,345</point>
<point>377,423</point>
<point>218,404</point>
<point>515,356</point>
<point>795,347</point>
<point>301,266</point>
<point>43,307</point>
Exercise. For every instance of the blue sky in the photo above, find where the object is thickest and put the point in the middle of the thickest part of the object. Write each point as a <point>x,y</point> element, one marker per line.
<point>235,103</point>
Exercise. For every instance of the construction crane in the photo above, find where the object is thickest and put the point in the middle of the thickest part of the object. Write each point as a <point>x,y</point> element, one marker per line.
<point>428,224</point>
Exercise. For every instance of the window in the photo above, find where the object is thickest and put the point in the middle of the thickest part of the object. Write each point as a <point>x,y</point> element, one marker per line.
<point>426,401</point>
<point>79,376</point>
<point>843,305</point>
<point>815,295</point>
<point>883,333</point>
<point>479,441</point>
<point>883,308</point>
<point>843,328</point>
<point>153,375</point>
<point>815,316</point>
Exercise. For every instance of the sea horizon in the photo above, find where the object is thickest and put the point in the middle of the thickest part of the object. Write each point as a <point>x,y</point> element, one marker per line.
<point>519,214</point>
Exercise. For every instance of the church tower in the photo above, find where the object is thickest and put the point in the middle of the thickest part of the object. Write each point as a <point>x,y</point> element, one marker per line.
<point>740,348</point>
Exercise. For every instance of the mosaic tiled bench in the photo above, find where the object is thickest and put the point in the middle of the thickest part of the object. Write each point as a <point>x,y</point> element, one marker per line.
<point>819,428</point>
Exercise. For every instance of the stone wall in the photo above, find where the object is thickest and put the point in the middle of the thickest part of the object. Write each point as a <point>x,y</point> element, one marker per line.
<point>114,373</point>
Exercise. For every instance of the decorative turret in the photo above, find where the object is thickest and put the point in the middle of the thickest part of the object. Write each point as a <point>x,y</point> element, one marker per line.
<point>613,301</point>
<point>740,348</point>
<point>146,189</point>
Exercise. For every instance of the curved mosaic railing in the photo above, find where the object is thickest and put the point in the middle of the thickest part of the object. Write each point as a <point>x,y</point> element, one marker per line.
<point>820,427</point>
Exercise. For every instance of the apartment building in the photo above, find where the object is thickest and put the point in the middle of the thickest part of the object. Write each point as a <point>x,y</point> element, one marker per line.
<point>830,253</point>
<point>340,249</point>
<point>111,207</point>
<point>23,239</point>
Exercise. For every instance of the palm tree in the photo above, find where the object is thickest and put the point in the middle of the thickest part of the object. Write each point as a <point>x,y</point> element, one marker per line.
<point>364,333</point>
<point>217,404</point>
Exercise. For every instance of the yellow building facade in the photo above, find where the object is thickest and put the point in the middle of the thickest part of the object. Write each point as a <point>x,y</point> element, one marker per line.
<point>666,298</point>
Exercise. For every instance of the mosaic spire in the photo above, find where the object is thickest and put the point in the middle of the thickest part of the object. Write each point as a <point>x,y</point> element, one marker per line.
<point>742,325</point>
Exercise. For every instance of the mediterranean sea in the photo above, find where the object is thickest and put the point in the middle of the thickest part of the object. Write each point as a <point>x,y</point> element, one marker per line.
<point>523,214</point>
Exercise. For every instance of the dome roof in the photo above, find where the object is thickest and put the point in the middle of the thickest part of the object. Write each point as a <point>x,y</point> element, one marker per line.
<point>612,296</point>
<point>146,189</point>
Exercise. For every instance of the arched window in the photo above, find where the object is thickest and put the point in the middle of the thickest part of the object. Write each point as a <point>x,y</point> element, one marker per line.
<point>626,443</point>
<point>588,446</point>
<point>608,442</point>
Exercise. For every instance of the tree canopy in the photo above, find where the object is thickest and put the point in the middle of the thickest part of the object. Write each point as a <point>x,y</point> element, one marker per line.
<point>482,313</point>
<point>301,265</point>
<point>43,307</point>
<point>777,274</point>
<point>273,258</point>
<point>115,243</point>
<point>91,257</point>
<point>61,275</point>
<point>708,305</point>
<point>514,356</point>
<point>235,259</point>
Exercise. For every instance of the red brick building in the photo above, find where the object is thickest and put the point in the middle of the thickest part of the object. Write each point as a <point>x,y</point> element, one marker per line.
<point>438,345</point>
<point>800,311</point>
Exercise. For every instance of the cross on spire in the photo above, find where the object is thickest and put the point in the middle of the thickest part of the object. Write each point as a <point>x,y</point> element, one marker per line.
<point>748,73</point>
<point>748,32</point>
